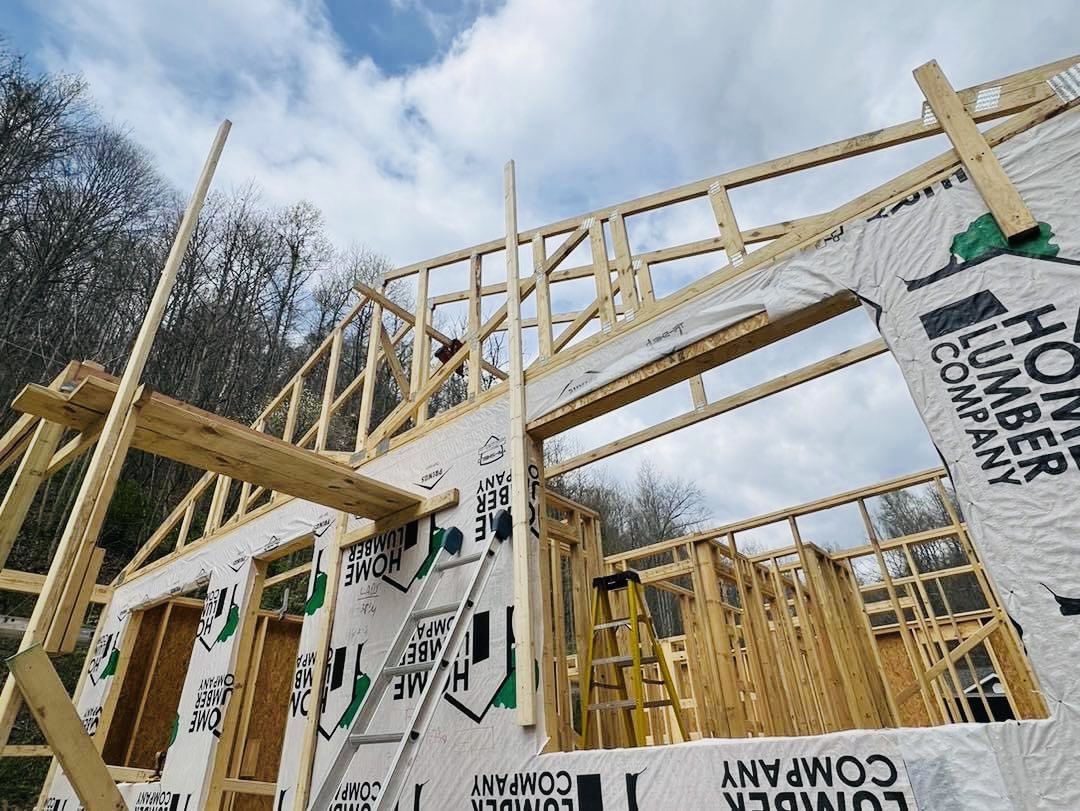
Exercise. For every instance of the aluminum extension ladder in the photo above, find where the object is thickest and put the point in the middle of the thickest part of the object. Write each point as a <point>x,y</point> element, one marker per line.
<point>632,708</point>
<point>438,671</point>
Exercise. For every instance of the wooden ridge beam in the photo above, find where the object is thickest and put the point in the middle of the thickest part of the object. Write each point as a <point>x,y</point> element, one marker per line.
<point>722,406</point>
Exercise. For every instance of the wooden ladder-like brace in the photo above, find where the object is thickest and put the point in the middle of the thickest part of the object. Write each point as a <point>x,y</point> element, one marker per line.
<point>614,661</point>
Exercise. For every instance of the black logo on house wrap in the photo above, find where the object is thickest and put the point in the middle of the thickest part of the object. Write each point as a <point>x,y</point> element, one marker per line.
<point>492,450</point>
<point>431,476</point>
<point>161,800</point>
<point>493,494</point>
<point>220,617</point>
<point>378,556</point>
<point>210,700</point>
<point>1012,376</point>
<point>548,791</point>
<point>822,783</point>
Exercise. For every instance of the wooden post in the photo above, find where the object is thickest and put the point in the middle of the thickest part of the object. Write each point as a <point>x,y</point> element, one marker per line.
<point>371,369</point>
<point>318,670</point>
<point>602,272</point>
<point>519,469</point>
<point>24,486</point>
<point>51,707</point>
<point>543,297</point>
<point>96,489</point>
<point>328,390</point>
<point>421,359</point>
<point>476,347</point>
<point>1009,209</point>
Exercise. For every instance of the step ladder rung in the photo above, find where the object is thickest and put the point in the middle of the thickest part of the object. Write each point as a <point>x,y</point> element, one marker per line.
<point>622,661</point>
<point>628,704</point>
<point>379,737</point>
<point>603,626</point>
<point>412,667</point>
<point>464,560</point>
<point>652,681</point>
<point>604,686</point>
<point>434,611</point>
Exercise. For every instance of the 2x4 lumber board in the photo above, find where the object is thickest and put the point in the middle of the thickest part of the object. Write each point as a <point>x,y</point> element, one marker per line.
<point>871,201</point>
<point>729,343</point>
<point>16,440</point>
<point>209,442</point>
<point>371,375</point>
<point>59,721</point>
<point>543,299</point>
<point>519,469</point>
<point>31,583</point>
<point>393,307</point>
<point>602,272</point>
<point>330,386</point>
<point>751,395</point>
<point>28,477</point>
<point>421,357</point>
<point>1019,91</point>
<point>475,316</point>
<point>623,262</point>
<point>392,360</point>
<point>73,449</point>
<point>1001,197</point>
<point>421,509</point>
<point>63,635</point>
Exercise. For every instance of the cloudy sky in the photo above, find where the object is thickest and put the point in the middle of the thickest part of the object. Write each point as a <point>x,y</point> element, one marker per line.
<point>396,116</point>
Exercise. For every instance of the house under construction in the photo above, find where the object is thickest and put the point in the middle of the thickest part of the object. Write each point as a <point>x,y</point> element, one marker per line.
<point>464,642</point>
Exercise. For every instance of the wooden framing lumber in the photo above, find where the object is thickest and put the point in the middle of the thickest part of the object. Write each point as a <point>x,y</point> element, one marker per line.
<point>54,713</point>
<point>1019,92</point>
<point>706,411</point>
<point>729,343</point>
<point>31,583</point>
<point>31,472</point>
<point>518,442</point>
<point>1001,197</point>
<point>190,435</point>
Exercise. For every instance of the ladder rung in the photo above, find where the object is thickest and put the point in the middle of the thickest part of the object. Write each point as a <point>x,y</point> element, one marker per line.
<point>433,611</point>
<point>382,737</point>
<point>628,703</point>
<point>464,560</point>
<point>603,626</point>
<point>607,686</point>
<point>623,661</point>
<point>413,667</point>
<point>653,681</point>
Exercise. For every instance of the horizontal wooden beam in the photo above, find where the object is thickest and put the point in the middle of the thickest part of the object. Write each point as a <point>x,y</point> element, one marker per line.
<point>729,343</point>
<point>179,431</point>
<point>722,406</point>
<point>428,506</point>
<point>31,583</point>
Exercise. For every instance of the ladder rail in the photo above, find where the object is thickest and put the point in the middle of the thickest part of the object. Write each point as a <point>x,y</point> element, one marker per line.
<point>436,682</point>
<point>381,680</point>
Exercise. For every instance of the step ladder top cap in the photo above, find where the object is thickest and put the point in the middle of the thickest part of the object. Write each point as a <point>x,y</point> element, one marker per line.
<point>618,580</point>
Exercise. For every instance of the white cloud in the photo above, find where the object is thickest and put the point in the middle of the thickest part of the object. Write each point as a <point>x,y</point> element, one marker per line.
<point>597,102</point>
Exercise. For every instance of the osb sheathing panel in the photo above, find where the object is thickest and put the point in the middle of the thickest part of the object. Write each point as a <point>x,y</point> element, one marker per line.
<point>899,674</point>
<point>273,685</point>
<point>1029,706</point>
<point>120,730</point>
<point>159,713</point>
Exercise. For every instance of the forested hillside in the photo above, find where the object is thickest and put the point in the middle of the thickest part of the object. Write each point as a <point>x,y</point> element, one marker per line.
<point>85,224</point>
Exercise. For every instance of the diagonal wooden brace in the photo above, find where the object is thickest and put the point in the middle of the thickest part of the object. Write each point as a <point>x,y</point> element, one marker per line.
<point>1009,209</point>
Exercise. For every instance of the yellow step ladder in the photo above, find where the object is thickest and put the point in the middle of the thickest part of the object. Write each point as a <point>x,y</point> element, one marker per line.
<point>614,661</point>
